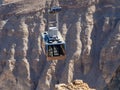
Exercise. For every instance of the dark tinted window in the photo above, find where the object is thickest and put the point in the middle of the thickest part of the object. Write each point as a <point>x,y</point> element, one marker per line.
<point>56,50</point>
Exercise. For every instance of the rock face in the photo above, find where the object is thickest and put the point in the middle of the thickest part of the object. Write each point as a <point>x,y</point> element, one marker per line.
<point>75,85</point>
<point>114,83</point>
<point>90,29</point>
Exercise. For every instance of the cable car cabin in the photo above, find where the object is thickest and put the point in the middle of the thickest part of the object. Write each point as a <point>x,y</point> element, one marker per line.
<point>53,44</point>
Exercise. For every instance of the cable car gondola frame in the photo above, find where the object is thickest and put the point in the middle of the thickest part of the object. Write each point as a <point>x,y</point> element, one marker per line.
<point>52,42</point>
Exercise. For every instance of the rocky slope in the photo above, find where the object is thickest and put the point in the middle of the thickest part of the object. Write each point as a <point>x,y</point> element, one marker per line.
<point>90,29</point>
<point>114,83</point>
<point>75,85</point>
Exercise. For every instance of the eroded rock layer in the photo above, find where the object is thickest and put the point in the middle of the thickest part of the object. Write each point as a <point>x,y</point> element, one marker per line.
<point>90,29</point>
<point>75,85</point>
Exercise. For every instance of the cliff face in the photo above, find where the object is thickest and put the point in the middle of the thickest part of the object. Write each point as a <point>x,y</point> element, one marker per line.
<point>90,29</point>
<point>75,85</point>
<point>114,83</point>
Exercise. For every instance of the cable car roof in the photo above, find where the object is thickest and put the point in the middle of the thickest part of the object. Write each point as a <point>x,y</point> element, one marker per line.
<point>53,28</point>
<point>51,40</point>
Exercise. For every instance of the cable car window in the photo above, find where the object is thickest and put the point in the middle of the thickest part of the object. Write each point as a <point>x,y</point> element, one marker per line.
<point>50,51</point>
<point>62,50</point>
<point>56,50</point>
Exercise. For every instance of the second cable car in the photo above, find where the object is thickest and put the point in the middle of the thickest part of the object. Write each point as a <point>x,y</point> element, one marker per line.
<point>53,44</point>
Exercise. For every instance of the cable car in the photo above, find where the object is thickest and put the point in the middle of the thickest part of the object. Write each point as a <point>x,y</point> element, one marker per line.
<point>52,42</point>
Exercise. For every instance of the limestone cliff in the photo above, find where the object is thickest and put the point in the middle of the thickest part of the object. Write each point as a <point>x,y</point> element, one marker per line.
<point>75,85</point>
<point>114,83</point>
<point>90,29</point>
